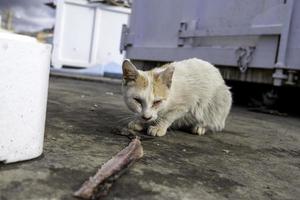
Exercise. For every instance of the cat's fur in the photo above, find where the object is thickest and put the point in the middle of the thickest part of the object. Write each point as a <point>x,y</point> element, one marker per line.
<point>190,93</point>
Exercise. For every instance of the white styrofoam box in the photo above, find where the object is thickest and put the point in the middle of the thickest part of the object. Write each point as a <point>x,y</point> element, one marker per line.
<point>24,75</point>
<point>87,34</point>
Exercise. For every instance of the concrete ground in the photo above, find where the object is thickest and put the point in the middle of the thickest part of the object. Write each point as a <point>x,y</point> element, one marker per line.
<point>257,156</point>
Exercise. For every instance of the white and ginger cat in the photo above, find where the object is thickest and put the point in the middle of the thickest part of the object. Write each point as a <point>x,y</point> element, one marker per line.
<point>187,94</point>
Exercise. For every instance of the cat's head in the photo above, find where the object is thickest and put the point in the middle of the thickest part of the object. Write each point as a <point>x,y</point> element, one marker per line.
<point>146,92</point>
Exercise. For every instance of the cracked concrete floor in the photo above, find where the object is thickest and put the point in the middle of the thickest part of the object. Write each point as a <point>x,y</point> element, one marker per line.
<point>257,156</point>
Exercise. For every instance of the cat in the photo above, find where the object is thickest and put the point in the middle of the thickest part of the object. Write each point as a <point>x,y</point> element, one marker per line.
<point>189,93</point>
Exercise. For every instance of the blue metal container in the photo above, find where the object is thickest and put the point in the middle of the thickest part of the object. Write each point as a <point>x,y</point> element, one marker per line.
<point>249,40</point>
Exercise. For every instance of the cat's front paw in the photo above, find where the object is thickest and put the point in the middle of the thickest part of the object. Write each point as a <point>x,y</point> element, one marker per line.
<point>157,131</point>
<point>135,125</point>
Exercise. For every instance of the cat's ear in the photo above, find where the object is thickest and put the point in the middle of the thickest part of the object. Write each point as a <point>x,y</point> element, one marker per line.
<point>130,73</point>
<point>167,75</point>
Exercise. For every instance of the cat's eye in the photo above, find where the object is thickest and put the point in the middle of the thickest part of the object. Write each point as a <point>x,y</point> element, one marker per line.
<point>156,103</point>
<point>138,100</point>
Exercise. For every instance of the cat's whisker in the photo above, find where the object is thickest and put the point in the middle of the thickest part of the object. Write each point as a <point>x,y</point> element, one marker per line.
<point>123,119</point>
<point>128,118</point>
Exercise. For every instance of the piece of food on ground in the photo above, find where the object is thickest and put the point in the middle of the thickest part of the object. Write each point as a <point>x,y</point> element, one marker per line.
<point>111,169</point>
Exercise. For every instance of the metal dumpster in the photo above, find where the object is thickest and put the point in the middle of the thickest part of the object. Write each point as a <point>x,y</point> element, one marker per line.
<point>249,40</point>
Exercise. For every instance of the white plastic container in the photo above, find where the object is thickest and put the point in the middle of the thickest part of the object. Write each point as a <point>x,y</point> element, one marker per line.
<point>88,34</point>
<point>24,75</point>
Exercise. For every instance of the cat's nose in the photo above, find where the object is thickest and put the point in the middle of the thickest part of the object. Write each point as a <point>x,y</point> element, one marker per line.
<point>146,118</point>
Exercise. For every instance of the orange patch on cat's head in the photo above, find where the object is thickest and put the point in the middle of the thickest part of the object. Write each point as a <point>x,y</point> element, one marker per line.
<point>141,82</point>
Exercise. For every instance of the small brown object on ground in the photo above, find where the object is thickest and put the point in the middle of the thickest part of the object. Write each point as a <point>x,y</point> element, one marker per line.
<point>102,180</point>
<point>131,133</point>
